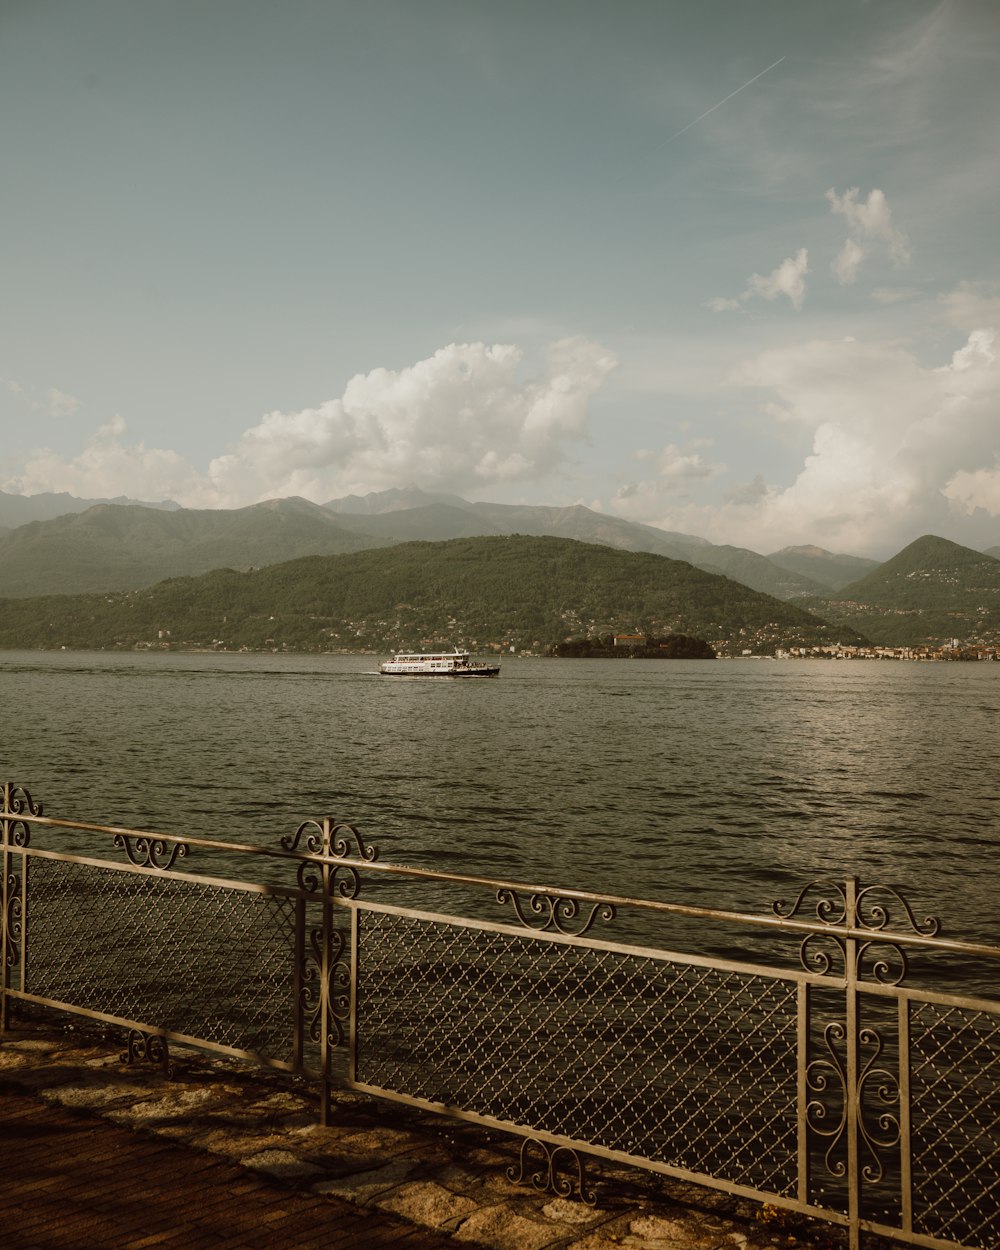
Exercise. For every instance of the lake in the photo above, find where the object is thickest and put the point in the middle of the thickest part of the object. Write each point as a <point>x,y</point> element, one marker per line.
<point>726,784</point>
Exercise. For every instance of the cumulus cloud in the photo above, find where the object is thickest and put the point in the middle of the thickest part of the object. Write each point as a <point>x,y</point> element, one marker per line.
<point>462,419</point>
<point>109,466</point>
<point>899,448</point>
<point>848,262</point>
<point>675,466</point>
<point>787,279</point>
<point>978,489</point>
<point>675,470</point>
<point>870,227</point>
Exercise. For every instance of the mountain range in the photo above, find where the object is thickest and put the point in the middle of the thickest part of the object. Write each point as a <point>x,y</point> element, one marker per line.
<point>122,545</point>
<point>931,591</point>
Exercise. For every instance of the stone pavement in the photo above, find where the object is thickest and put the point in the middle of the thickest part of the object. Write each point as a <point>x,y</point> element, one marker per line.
<point>72,1182</point>
<point>95,1153</point>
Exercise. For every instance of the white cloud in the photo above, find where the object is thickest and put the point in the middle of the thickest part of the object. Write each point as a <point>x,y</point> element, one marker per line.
<point>869,225</point>
<point>60,404</point>
<point>978,489</point>
<point>108,467</point>
<point>972,304</point>
<point>460,420</point>
<point>898,449</point>
<point>675,469</point>
<point>787,279</point>
<point>54,402</point>
<point>675,466</point>
<point>848,262</point>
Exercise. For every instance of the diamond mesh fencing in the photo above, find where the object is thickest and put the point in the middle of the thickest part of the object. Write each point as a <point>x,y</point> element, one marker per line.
<point>204,960</point>
<point>955,1111</point>
<point>690,1067</point>
<point>836,1089</point>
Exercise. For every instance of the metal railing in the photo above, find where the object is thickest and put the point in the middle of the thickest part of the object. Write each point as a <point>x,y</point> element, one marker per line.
<point>818,1077</point>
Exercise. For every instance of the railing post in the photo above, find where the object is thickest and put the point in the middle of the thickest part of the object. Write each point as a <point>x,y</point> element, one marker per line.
<point>905,1132</point>
<point>803,1010</point>
<point>5,901</point>
<point>325,973</point>
<point>15,835</point>
<point>298,969</point>
<point>852,1091</point>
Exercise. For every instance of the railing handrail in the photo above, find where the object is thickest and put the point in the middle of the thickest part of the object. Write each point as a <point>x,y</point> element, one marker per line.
<point>859,933</point>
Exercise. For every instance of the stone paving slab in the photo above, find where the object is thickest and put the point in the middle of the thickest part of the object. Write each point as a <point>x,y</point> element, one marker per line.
<point>224,1138</point>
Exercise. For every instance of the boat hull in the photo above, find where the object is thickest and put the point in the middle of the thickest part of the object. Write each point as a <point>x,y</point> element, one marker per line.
<point>485,671</point>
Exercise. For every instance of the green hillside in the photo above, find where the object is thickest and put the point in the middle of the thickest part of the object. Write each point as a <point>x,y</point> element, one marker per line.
<point>520,592</point>
<point>933,590</point>
<point>824,568</point>
<point>122,547</point>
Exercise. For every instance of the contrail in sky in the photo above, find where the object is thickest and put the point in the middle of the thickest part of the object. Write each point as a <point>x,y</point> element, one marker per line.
<point>721,102</point>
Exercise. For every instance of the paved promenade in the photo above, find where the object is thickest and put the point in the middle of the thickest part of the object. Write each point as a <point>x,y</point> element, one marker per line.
<point>97,1154</point>
<point>72,1181</point>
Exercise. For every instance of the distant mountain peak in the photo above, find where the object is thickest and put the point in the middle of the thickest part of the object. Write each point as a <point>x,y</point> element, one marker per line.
<point>807,549</point>
<point>396,499</point>
<point>931,547</point>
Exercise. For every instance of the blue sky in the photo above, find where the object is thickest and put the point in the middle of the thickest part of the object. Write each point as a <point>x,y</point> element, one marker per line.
<point>519,251</point>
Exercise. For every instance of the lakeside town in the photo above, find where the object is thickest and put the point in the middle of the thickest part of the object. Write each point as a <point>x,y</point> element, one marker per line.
<point>953,650</point>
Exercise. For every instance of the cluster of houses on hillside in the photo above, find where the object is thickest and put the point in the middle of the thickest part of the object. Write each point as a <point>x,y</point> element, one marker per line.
<point>952,650</point>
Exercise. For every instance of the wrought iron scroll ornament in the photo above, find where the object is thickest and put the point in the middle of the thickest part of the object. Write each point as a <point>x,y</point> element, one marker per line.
<point>18,803</point>
<point>551,1175</point>
<point>337,841</point>
<point>872,907</point>
<point>885,962</point>
<point>310,996</point>
<point>143,1047</point>
<point>878,1127</point>
<point>884,1133</point>
<point>824,1077</point>
<point>875,915</point>
<point>147,852</point>
<point>830,907</point>
<point>12,921</point>
<point>554,913</point>
<point>329,841</point>
<point>882,959</point>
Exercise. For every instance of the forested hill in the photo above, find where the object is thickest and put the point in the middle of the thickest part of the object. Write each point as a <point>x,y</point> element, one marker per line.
<point>520,592</point>
<point>929,592</point>
<point>122,547</point>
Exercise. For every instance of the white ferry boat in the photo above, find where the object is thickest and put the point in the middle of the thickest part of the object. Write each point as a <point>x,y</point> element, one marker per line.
<point>443,664</point>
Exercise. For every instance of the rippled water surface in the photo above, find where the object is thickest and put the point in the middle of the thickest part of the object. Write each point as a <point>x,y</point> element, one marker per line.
<point>725,783</point>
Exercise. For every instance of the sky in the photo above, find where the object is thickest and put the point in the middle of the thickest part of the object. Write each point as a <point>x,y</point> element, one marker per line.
<point>725,267</point>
